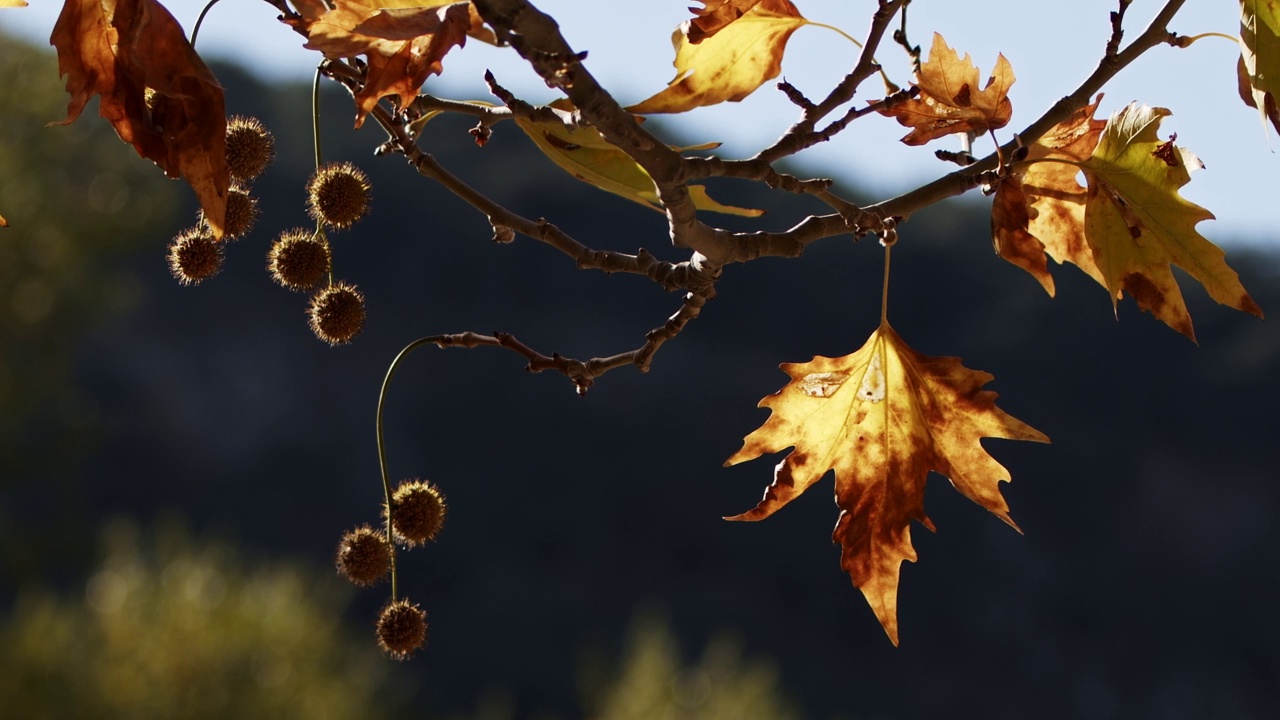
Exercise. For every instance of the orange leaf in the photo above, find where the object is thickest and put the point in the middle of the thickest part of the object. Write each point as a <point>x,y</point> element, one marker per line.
<point>950,100</point>
<point>882,418</point>
<point>715,16</point>
<point>403,45</point>
<point>154,89</point>
<point>1039,208</point>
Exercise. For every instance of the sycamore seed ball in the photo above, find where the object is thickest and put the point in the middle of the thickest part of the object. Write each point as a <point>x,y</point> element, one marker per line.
<point>338,195</point>
<point>299,259</point>
<point>337,313</point>
<point>242,213</point>
<point>402,629</point>
<point>419,512</point>
<point>194,255</point>
<point>250,148</point>
<point>363,557</point>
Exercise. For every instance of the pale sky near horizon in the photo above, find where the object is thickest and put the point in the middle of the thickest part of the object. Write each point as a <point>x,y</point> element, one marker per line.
<point>1052,47</point>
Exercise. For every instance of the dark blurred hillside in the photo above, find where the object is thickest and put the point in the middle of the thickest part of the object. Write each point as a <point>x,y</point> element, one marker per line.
<point>1143,587</point>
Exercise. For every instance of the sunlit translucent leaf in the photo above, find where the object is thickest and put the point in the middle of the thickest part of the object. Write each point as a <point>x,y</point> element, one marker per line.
<point>153,88</point>
<point>1137,224</point>
<point>1259,66</point>
<point>741,56</point>
<point>1039,208</point>
<point>1129,225</point>
<point>883,418</point>
<point>583,153</point>
<point>950,100</point>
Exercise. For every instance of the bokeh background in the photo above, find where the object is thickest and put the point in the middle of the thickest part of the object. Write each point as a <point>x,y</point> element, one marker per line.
<point>177,464</point>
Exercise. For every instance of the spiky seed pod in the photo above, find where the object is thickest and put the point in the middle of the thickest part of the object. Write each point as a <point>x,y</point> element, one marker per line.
<point>419,512</point>
<point>337,313</point>
<point>250,147</point>
<point>338,194</point>
<point>363,557</point>
<point>299,259</point>
<point>194,255</point>
<point>402,629</point>
<point>242,213</point>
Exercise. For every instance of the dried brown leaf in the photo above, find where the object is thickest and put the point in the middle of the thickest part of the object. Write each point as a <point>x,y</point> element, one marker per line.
<point>950,100</point>
<point>153,88</point>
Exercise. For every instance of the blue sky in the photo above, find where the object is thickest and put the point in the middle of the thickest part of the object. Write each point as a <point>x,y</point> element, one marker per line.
<point>1052,46</point>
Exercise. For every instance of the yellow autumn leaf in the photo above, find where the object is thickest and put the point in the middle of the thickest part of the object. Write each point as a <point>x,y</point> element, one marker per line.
<point>882,418</point>
<point>583,153</point>
<point>1137,224</point>
<point>741,56</point>
<point>950,99</point>
<point>1259,66</point>
<point>11,4</point>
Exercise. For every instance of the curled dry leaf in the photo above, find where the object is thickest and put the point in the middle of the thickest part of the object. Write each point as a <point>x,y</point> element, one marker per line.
<point>1259,67</point>
<point>582,152</point>
<point>882,418</point>
<point>742,55</point>
<point>950,100</point>
<point>714,16</point>
<point>1039,208</point>
<point>1128,226</point>
<point>401,44</point>
<point>154,89</point>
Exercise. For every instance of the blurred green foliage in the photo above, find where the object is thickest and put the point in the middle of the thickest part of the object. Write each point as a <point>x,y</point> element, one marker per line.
<point>79,203</point>
<point>654,683</point>
<point>171,628</point>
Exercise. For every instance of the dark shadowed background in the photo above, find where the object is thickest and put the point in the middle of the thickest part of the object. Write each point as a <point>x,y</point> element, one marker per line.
<point>1144,586</point>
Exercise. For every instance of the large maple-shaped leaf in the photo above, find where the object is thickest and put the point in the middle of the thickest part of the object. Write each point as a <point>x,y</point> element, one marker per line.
<point>1259,66</point>
<point>153,87</point>
<point>1128,225</point>
<point>741,55</point>
<point>402,44</point>
<point>882,418</point>
<point>950,100</point>
<point>583,152</point>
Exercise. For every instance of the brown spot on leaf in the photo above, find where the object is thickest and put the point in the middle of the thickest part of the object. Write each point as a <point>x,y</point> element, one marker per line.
<point>1167,152</point>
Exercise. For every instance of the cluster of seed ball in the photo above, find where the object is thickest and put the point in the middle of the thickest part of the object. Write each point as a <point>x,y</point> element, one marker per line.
<point>195,255</point>
<point>366,556</point>
<point>301,259</point>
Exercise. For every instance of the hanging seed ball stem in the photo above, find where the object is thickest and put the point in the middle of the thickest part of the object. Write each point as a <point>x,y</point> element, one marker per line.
<point>363,556</point>
<point>250,148</point>
<point>299,259</point>
<point>337,313</point>
<point>419,512</point>
<point>338,194</point>
<point>402,629</point>
<point>194,255</point>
